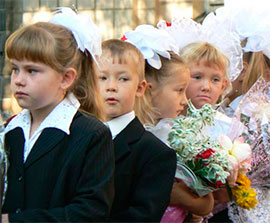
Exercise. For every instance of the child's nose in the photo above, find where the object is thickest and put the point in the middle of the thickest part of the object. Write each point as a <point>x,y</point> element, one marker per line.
<point>184,101</point>
<point>20,79</point>
<point>206,85</point>
<point>112,86</point>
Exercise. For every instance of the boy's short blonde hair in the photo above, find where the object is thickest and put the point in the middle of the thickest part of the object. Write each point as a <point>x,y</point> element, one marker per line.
<point>123,52</point>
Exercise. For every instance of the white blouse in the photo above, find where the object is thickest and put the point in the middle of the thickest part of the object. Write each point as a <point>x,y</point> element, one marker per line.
<point>60,117</point>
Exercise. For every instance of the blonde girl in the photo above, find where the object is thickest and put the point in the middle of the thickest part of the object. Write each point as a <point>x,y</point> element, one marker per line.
<point>255,64</point>
<point>167,76</point>
<point>208,73</point>
<point>168,90</point>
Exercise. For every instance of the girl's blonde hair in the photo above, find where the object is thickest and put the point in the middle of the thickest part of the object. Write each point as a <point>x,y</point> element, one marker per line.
<point>203,51</point>
<point>160,76</point>
<point>164,73</point>
<point>257,63</point>
<point>55,46</point>
<point>123,53</point>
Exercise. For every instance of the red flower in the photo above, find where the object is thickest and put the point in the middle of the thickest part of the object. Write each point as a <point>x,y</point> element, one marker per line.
<point>206,154</point>
<point>124,38</point>
<point>219,184</point>
<point>168,24</point>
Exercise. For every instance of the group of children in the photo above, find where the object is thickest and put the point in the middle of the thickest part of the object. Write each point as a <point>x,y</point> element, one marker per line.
<point>79,150</point>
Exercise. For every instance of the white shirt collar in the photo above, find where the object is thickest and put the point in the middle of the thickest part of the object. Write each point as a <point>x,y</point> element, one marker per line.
<point>116,125</point>
<point>60,117</point>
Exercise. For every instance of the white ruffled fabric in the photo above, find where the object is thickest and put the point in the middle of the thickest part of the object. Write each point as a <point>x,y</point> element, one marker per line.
<point>186,31</point>
<point>161,129</point>
<point>249,19</point>
<point>84,30</point>
<point>152,43</point>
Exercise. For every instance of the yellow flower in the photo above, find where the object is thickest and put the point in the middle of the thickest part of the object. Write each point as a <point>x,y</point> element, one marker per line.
<point>245,198</point>
<point>243,181</point>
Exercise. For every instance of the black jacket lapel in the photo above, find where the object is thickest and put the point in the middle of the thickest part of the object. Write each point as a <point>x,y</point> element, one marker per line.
<point>48,139</point>
<point>17,146</point>
<point>130,134</point>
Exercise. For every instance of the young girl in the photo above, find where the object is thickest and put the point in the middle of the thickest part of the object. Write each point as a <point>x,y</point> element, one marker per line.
<point>168,86</point>
<point>255,64</point>
<point>209,79</point>
<point>208,67</point>
<point>250,20</point>
<point>167,79</point>
<point>145,167</point>
<point>61,158</point>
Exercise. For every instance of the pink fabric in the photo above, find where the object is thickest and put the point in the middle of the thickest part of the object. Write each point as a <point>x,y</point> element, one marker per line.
<point>174,214</point>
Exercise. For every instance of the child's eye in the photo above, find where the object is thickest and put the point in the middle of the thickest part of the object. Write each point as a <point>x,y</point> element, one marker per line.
<point>14,70</point>
<point>216,79</point>
<point>123,79</point>
<point>197,77</point>
<point>32,71</point>
<point>181,90</point>
<point>102,78</point>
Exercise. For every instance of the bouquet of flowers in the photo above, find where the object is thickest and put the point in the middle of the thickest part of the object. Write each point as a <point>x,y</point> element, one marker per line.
<point>205,164</point>
<point>202,162</point>
<point>240,156</point>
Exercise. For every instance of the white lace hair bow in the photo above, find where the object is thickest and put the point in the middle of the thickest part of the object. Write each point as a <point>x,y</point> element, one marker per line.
<point>85,32</point>
<point>152,42</point>
<point>186,31</point>
<point>249,19</point>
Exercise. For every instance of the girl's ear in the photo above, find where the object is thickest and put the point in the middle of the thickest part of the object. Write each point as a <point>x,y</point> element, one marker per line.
<point>243,72</point>
<point>225,84</point>
<point>68,78</point>
<point>141,88</point>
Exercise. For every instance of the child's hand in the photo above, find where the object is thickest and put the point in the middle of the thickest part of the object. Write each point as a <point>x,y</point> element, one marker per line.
<point>192,218</point>
<point>180,194</point>
<point>221,196</point>
<point>183,196</point>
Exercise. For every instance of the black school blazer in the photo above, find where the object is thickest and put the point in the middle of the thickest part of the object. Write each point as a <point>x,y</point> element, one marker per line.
<point>144,174</point>
<point>65,177</point>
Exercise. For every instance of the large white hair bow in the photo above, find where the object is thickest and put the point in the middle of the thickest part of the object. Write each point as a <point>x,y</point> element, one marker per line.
<point>84,30</point>
<point>250,19</point>
<point>153,43</point>
<point>185,31</point>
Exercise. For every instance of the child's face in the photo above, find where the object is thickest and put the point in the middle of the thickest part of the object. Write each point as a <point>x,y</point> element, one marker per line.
<point>119,85</point>
<point>170,97</point>
<point>206,84</point>
<point>36,86</point>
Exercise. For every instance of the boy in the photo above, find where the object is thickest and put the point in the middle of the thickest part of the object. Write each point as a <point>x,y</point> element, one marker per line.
<point>145,167</point>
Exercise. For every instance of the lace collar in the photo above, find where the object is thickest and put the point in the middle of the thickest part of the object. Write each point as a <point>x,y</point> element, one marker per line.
<point>60,117</point>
